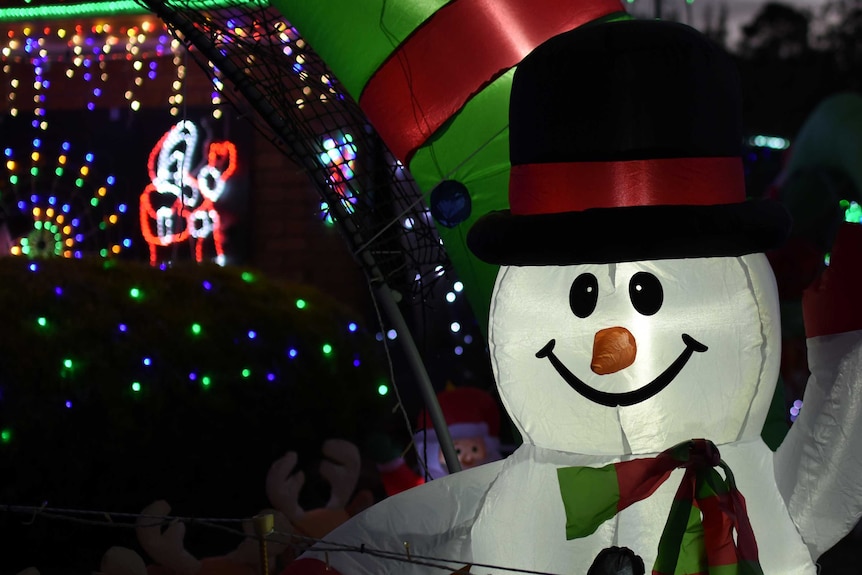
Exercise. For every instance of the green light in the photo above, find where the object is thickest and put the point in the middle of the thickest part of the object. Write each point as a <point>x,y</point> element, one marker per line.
<point>58,172</point>
<point>136,386</point>
<point>13,179</point>
<point>852,213</point>
<point>67,363</point>
<point>34,171</point>
<point>301,303</point>
<point>826,259</point>
<point>206,381</point>
<point>327,349</point>
<point>37,224</point>
<point>246,372</point>
<point>135,293</point>
<point>6,435</point>
<point>196,328</point>
<point>103,252</point>
<point>42,321</point>
<point>93,201</point>
<point>247,277</point>
<point>382,389</point>
<point>107,8</point>
<point>103,226</point>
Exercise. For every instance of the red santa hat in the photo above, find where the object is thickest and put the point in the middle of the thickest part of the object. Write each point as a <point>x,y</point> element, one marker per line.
<point>468,411</point>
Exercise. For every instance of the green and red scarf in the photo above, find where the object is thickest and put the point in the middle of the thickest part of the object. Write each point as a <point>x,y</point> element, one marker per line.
<point>698,537</point>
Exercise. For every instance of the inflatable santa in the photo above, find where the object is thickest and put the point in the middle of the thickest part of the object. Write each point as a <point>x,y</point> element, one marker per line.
<point>473,420</point>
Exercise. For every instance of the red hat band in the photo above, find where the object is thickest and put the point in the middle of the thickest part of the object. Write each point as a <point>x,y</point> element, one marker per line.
<point>547,188</point>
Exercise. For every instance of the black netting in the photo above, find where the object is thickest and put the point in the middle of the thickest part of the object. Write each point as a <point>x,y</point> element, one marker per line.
<point>276,81</point>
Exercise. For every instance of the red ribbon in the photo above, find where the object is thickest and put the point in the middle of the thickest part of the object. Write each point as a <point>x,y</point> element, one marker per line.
<point>459,50</point>
<point>576,186</point>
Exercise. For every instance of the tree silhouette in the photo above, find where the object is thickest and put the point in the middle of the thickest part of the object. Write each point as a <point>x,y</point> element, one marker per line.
<point>843,29</point>
<point>778,32</point>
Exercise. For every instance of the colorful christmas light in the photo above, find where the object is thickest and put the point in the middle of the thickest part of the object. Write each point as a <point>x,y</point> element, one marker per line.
<point>179,203</point>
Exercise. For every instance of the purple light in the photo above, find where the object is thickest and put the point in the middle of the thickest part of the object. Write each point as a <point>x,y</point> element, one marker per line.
<point>270,377</point>
<point>68,404</point>
<point>252,334</point>
<point>122,327</point>
<point>91,106</point>
<point>58,290</point>
<point>356,363</point>
<point>193,376</point>
<point>207,285</point>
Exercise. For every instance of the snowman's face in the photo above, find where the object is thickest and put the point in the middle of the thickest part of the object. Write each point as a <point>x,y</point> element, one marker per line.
<point>635,357</point>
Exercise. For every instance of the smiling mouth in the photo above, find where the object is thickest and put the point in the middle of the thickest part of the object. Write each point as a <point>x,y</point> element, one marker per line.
<point>628,397</point>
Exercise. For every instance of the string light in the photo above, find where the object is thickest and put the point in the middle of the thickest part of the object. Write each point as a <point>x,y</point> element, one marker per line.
<point>179,202</point>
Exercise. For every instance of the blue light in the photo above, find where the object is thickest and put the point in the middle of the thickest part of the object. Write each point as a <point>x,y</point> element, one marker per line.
<point>37,142</point>
<point>291,353</point>
<point>148,361</point>
<point>352,327</point>
<point>89,157</point>
<point>207,285</point>
<point>76,222</point>
<point>193,376</point>
<point>34,199</point>
<point>8,152</point>
<point>65,146</point>
<point>270,377</point>
<point>52,200</point>
<point>33,267</point>
<point>122,208</point>
<point>123,327</point>
<point>68,404</point>
<point>22,205</point>
<point>111,180</point>
<point>66,208</point>
<point>127,243</point>
<point>252,334</point>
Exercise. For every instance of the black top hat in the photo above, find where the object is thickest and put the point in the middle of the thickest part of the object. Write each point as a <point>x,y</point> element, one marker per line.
<point>625,144</point>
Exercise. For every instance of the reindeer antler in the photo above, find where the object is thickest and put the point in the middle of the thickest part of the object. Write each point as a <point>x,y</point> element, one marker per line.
<point>282,488</point>
<point>341,470</point>
<point>165,547</point>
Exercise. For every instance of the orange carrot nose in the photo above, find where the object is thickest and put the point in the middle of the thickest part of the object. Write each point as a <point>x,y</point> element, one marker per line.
<point>614,348</point>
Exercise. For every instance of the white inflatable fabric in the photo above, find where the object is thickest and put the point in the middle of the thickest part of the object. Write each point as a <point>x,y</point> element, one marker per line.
<point>818,465</point>
<point>509,515</point>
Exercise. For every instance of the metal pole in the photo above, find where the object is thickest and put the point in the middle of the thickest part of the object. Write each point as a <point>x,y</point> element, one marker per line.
<point>384,295</point>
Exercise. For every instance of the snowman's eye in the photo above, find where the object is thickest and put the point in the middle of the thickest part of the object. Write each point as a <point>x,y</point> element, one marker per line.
<point>584,294</point>
<point>646,293</point>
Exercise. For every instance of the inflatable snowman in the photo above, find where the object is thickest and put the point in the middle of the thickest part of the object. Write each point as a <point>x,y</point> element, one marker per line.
<point>635,337</point>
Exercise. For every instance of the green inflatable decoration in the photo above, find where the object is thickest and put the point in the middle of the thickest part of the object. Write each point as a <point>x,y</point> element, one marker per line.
<point>433,77</point>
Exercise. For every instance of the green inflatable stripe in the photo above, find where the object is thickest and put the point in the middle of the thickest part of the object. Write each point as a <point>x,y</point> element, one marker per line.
<point>473,148</point>
<point>354,37</point>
